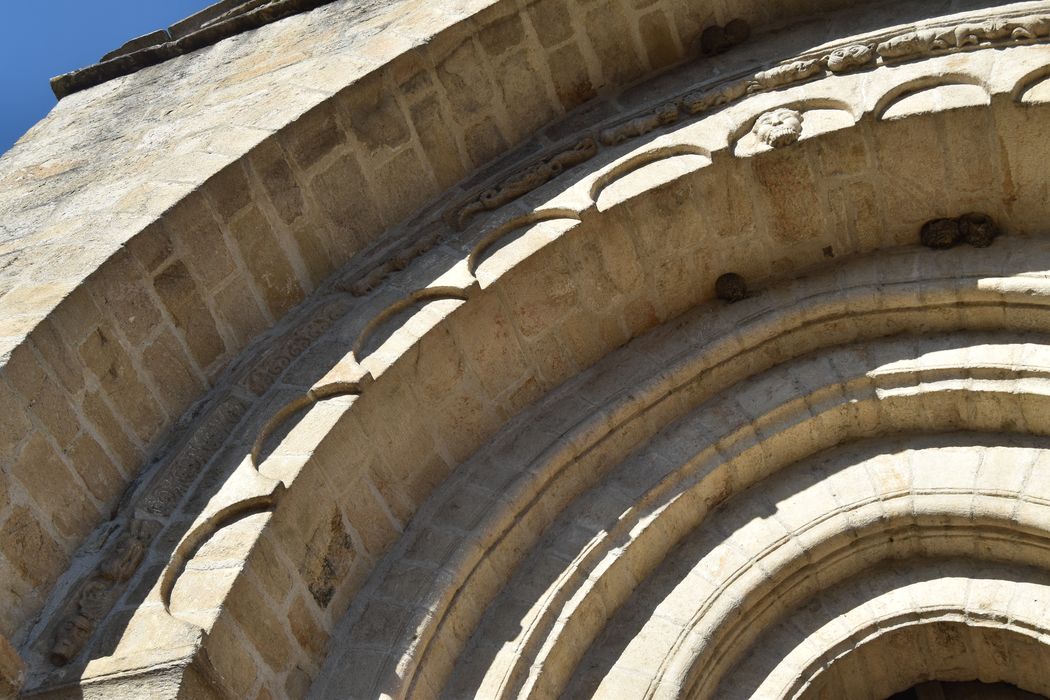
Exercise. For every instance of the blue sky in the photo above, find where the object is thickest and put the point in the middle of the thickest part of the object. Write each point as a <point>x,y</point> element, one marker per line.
<point>43,38</point>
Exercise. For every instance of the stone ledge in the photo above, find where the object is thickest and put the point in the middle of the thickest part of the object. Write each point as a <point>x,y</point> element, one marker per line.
<point>159,46</point>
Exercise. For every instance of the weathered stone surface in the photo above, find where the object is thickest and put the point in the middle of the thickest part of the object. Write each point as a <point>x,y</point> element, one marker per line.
<point>184,301</point>
<point>533,479</point>
<point>34,552</point>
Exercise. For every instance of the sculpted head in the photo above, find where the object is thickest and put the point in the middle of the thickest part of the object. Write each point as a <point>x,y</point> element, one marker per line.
<point>779,127</point>
<point>69,639</point>
<point>847,57</point>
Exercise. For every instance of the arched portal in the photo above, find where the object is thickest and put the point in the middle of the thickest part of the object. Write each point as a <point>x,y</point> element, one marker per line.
<point>530,440</point>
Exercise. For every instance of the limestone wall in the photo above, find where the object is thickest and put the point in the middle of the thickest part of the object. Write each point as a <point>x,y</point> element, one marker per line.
<point>155,224</point>
<point>374,464</point>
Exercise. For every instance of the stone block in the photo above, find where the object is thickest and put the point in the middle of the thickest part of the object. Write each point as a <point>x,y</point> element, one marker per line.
<point>199,241</point>
<point>316,135</point>
<point>485,141</point>
<point>184,300</point>
<point>12,669</point>
<point>318,256</point>
<point>267,261</point>
<point>43,398</point>
<point>262,625</point>
<point>14,424</point>
<point>502,35</point>
<point>112,433</point>
<point>55,352</point>
<point>408,184</point>
<point>229,192</point>
<point>468,87</point>
<point>118,377</point>
<point>307,631</point>
<point>173,373</point>
<point>297,684</point>
<point>524,92</point>
<point>375,115</point>
<point>121,290</point>
<point>438,141</point>
<point>51,484</point>
<point>239,309</point>
<point>29,549</point>
<point>572,79</point>
<point>493,354</point>
<point>152,247</point>
<point>76,316</point>
<point>269,164</point>
<point>607,32</point>
<point>660,43</point>
<point>232,662</point>
<point>551,20</point>
<point>272,572</point>
<point>790,190</point>
<point>345,197</point>
<point>104,479</point>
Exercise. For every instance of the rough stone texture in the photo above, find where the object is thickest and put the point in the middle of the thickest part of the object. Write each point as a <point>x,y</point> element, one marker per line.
<point>514,447</point>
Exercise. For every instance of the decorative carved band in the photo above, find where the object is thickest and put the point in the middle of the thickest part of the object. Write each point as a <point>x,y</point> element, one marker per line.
<point>100,591</point>
<point>910,45</point>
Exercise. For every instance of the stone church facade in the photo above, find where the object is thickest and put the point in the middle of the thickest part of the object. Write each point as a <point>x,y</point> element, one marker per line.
<point>533,349</point>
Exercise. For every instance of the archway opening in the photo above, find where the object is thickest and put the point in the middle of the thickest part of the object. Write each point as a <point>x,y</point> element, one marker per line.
<point>972,690</point>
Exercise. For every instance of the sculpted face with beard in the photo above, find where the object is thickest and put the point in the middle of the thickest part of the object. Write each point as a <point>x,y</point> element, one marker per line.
<point>780,127</point>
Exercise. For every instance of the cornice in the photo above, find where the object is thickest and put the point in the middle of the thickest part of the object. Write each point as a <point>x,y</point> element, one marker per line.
<point>164,45</point>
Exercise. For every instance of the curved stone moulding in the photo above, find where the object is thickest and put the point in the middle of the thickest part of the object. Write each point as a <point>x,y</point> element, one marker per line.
<point>837,327</point>
<point>636,175</point>
<point>818,522</point>
<point>515,240</point>
<point>873,649</point>
<point>857,54</point>
<point>274,424</point>
<point>932,94</point>
<point>406,320</point>
<point>935,631</point>
<point>209,572</point>
<point>673,283</point>
<point>280,424</point>
<point>637,524</point>
<point>207,528</point>
<point>1034,89</point>
<point>641,156</point>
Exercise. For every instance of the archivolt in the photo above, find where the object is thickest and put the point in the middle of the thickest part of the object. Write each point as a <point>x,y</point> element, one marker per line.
<point>563,464</point>
<point>614,536</point>
<point>902,624</point>
<point>800,532</point>
<point>454,375</point>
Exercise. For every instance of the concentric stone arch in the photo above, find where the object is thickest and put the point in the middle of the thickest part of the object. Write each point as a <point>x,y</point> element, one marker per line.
<point>519,363</point>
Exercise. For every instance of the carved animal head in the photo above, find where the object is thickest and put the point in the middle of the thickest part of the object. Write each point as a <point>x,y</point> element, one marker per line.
<point>779,127</point>
<point>846,57</point>
<point>908,44</point>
